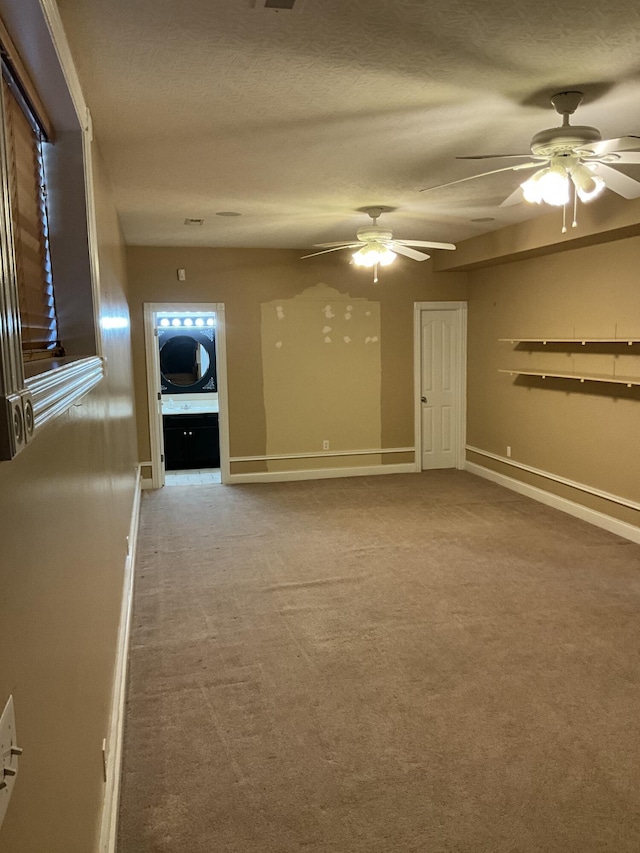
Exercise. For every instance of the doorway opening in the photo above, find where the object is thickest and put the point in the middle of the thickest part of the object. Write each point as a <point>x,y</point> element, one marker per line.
<point>440,357</point>
<point>187,399</point>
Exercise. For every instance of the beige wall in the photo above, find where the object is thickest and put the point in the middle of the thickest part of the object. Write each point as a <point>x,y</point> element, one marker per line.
<point>321,376</point>
<point>586,433</point>
<point>247,279</point>
<point>65,505</point>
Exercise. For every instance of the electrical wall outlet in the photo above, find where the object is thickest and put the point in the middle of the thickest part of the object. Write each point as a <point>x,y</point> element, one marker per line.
<point>9,752</point>
<point>508,451</point>
<point>325,444</point>
<point>16,423</point>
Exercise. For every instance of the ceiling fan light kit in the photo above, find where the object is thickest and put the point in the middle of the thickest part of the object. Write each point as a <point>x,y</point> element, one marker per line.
<point>552,184</point>
<point>374,254</point>
<point>377,247</point>
<point>549,185</point>
<point>587,185</point>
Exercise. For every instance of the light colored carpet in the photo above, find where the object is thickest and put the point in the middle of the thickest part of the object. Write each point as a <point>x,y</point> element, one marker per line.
<point>403,663</point>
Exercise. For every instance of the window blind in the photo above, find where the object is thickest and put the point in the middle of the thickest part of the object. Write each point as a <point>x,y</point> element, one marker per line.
<point>38,319</point>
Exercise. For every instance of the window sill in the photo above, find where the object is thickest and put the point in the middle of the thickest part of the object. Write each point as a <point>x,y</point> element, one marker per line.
<point>57,384</point>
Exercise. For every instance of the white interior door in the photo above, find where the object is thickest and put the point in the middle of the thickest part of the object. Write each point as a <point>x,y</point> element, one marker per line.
<point>439,373</point>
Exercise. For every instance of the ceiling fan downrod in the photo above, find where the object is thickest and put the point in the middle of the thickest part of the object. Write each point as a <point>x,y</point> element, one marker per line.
<point>565,104</point>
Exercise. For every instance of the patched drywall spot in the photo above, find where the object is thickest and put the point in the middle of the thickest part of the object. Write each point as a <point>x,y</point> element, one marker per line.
<point>327,388</point>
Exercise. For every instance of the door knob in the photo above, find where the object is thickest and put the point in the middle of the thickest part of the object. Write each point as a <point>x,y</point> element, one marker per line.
<point>424,399</point>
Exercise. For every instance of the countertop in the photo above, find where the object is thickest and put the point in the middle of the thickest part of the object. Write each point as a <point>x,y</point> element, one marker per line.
<point>189,407</point>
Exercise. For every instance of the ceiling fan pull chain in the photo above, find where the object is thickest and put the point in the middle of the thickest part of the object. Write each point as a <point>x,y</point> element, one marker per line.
<point>575,209</point>
<point>375,273</point>
<point>564,218</point>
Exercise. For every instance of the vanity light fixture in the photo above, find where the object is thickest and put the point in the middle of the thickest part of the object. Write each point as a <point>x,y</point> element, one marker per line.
<point>188,321</point>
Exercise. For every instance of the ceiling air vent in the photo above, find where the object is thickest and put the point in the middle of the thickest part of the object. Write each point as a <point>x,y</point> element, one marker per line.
<point>280,5</point>
<point>194,222</point>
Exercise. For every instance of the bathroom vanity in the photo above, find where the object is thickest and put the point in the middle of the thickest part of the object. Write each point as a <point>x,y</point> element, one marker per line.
<point>191,441</point>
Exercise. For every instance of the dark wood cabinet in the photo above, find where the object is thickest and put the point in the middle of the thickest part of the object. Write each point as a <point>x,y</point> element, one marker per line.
<point>191,441</point>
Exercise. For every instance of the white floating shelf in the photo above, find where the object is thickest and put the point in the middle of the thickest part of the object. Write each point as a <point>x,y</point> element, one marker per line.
<point>582,341</point>
<point>629,381</point>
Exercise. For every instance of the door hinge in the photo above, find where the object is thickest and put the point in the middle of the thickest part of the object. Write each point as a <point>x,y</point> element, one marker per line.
<point>159,395</point>
<point>162,457</point>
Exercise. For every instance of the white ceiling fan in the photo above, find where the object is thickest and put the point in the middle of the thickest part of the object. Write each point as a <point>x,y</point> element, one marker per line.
<point>376,247</point>
<point>569,159</point>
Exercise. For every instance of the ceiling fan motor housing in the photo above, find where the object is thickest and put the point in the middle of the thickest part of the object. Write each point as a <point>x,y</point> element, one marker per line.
<point>563,140</point>
<point>374,232</point>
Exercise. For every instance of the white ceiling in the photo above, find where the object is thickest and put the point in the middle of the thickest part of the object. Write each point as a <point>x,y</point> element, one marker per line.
<point>297,119</point>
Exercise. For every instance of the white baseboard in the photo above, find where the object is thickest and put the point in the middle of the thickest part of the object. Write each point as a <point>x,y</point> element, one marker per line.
<point>321,473</point>
<point>109,823</point>
<point>599,519</point>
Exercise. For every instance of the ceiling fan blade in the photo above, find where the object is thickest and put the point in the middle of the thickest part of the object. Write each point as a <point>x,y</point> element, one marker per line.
<point>618,182</point>
<point>611,146</point>
<point>335,249</point>
<point>518,167</point>
<point>397,247</point>
<point>515,198</point>
<point>494,156</point>
<point>425,243</point>
<point>338,244</point>
<point>626,157</point>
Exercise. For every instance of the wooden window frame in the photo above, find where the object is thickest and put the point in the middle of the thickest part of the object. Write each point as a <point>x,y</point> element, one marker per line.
<point>26,139</point>
<point>33,394</point>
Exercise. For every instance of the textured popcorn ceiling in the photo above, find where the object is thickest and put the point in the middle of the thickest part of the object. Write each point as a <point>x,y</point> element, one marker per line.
<point>296,119</point>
